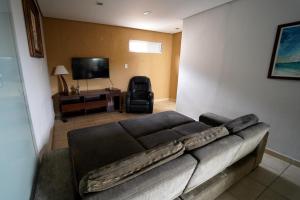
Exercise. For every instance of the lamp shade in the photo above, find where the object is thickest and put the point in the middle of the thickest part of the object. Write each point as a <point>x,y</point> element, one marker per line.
<point>60,70</point>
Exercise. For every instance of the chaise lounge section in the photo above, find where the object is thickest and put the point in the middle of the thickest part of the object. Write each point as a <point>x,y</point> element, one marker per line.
<point>204,172</point>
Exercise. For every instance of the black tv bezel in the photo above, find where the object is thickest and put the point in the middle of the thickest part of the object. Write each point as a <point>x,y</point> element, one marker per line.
<point>89,58</point>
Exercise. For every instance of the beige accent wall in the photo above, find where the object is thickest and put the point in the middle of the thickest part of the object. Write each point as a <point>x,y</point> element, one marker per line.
<point>66,39</point>
<point>175,65</point>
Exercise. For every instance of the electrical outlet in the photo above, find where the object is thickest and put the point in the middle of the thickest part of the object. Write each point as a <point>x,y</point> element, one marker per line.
<point>126,66</point>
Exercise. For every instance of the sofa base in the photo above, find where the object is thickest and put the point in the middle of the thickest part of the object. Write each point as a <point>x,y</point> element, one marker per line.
<point>55,185</point>
<point>214,187</point>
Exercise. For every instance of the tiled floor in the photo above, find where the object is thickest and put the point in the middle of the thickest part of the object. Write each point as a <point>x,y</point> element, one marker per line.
<point>273,180</point>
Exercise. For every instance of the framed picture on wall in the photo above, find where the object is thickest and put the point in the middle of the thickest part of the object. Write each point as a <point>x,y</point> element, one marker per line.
<point>285,61</point>
<point>33,28</point>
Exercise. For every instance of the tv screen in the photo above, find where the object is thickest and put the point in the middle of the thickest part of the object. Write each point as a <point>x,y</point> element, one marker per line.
<point>88,68</point>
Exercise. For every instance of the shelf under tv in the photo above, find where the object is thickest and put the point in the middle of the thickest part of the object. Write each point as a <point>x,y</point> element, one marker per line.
<point>108,99</point>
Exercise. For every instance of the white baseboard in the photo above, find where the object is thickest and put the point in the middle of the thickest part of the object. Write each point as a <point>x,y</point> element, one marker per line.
<point>283,157</point>
<point>160,100</point>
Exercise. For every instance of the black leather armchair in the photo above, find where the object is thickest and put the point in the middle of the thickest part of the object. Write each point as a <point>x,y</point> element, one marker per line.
<point>139,96</point>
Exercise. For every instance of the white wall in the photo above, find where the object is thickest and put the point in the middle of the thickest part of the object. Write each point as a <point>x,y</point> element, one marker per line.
<point>36,81</point>
<point>225,58</point>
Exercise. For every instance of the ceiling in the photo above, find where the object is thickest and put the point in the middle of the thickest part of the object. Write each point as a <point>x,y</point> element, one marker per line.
<point>166,15</point>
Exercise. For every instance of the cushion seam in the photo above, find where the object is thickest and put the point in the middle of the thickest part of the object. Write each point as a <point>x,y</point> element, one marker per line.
<point>135,139</point>
<point>159,181</point>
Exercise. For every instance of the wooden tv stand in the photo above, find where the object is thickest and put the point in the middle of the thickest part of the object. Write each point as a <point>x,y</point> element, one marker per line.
<point>110,99</point>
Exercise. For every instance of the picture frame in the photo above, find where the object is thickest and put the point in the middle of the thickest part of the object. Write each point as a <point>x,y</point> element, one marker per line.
<point>33,28</point>
<point>285,60</point>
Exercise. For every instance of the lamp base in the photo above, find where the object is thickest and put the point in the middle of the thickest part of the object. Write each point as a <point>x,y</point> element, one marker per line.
<point>65,88</point>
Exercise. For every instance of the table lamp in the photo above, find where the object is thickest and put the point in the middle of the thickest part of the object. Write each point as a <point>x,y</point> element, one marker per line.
<point>60,70</point>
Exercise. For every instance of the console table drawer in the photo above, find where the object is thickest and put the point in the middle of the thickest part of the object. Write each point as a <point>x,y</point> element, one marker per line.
<point>95,104</point>
<point>72,107</point>
<point>97,100</point>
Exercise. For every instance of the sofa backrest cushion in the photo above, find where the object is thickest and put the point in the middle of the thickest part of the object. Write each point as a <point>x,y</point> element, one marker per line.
<point>125,169</point>
<point>241,123</point>
<point>196,140</point>
<point>213,159</point>
<point>252,136</point>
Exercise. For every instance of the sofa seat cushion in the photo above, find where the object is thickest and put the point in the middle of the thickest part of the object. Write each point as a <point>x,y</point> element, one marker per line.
<point>197,140</point>
<point>241,123</point>
<point>139,102</point>
<point>153,123</point>
<point>97,146</point>
<point>157,138</point>
<point>190,128</point>
<point>252,136</point>
<point>213,159</point>
<point>125,169</point>
<point>164,182</point>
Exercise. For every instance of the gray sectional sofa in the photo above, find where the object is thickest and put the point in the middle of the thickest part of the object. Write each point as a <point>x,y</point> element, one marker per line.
<point>202,173</point>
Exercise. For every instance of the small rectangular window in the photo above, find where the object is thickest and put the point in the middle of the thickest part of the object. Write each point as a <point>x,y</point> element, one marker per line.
<point>139,46</point>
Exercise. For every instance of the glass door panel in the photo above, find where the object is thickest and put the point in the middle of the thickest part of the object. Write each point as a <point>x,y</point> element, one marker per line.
<point>17,150</point>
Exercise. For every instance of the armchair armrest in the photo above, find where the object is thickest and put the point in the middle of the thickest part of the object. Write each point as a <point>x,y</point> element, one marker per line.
<point>151,98</point>
<point>127,101</point>
<point>213,119</point>
<point>128,96</point>
<point>150,94</point>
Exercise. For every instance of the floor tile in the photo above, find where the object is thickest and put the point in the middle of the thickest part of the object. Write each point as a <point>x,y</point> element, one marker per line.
<point>263,175</point>
<point>226,196</point>
<point>286,188</point>
<point>246,189</point>
<point>273,164</point>
<point>271,195</point>
<point>292,173</point>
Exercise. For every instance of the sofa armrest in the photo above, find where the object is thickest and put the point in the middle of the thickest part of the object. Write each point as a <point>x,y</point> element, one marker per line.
<point>260,150</point>
<point>213,119</point>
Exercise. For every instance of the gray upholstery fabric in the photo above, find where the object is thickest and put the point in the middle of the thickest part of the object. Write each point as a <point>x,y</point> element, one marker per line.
<point>197,140</point>
<point>153,123</point>
<point>252,136</point>
<point>54,180</point>
<point>213,119</point>
<point>93,147</point>
<point>105,144</point>
<point>159,137</point>
<point>213,159</point>
<point>164,182</point>
<point>191,128</point>
<point>241,123</point>
<point>218,184</point>
<point>126,169</point>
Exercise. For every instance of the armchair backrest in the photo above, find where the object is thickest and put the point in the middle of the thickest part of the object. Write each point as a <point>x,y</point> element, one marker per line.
<point>139,86</point>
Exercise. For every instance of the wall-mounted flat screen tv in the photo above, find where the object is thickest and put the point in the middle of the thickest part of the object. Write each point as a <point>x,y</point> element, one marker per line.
<point>89,68</point>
